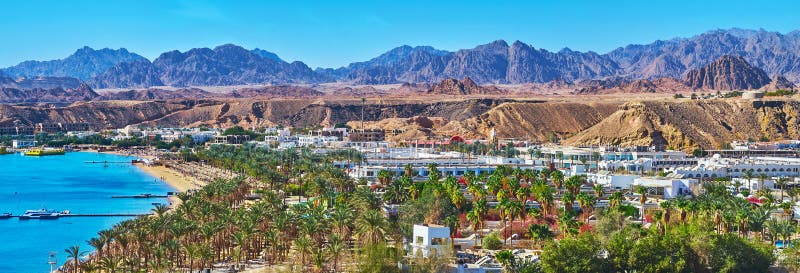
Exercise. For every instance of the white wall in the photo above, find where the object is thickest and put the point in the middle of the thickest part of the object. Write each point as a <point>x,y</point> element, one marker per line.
<point>422,240</point>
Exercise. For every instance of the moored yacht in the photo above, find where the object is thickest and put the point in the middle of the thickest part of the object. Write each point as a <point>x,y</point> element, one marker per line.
<point>41,214</point>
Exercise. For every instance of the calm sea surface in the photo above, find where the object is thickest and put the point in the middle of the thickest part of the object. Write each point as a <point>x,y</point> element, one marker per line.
<point>65,183</point>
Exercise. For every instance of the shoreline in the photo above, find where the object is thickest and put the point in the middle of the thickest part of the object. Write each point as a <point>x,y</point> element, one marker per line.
<point>172,178</point>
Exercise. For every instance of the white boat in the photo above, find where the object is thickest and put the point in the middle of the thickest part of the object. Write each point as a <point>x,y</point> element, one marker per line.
<point>44,214</point>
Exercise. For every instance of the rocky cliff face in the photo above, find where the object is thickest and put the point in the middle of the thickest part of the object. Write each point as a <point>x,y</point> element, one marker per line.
<point>157,94</point>
<point>228,65</point>
<point>773,52</point>
<point>274,91</point>
<point>496,62</point>
<point>282,91</point>
<point>100,115</point>
<point>689,124</point>
<point>84,64</point>
<point>51,95</point>
<point>727,73</point>
<point>779,83</point>
<point>615,85</point>
<point>463,87</point>
<point>138,74</point>
<point>40,82</point>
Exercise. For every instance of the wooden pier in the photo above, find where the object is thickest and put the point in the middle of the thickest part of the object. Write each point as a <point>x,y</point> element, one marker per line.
<point>108,162</point>
<point>141,196</point>
<point>107,215</point>
<point>91,215</point>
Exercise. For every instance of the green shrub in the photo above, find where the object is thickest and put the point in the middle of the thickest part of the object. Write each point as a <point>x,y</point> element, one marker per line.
<point>492,241</point>
<point>780,93</point>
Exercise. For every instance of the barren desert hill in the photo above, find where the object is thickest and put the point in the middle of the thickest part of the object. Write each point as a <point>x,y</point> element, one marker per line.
<point>678,123</point>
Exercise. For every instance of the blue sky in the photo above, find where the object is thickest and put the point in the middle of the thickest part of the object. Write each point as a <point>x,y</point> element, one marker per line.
<point>335,33</point>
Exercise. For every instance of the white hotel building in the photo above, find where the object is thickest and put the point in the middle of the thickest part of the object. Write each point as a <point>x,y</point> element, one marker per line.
<point>716,166</point>
<point>448,163</point>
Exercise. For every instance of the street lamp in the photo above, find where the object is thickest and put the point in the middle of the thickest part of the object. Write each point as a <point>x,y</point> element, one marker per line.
<point>52,260</point>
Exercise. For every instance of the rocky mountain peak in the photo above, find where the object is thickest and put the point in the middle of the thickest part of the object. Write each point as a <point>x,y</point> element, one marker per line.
<point>495,62</point>
<point>84,64</point>
<point>727,73</point>
<point>228,65</point>
<point>465,86</point>
<point>267,54</point>
<point>779,83</point>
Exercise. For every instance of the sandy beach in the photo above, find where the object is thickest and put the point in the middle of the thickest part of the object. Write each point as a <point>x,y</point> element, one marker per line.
<point>172,178</point>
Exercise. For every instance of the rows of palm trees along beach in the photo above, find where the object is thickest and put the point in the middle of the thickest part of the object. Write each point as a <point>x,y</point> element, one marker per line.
<point>344,228</point>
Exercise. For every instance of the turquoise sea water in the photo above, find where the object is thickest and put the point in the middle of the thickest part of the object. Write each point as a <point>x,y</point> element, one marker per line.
<point>65,183</point>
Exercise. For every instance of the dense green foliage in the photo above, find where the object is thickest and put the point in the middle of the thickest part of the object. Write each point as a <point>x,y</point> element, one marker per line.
<point>715,232</point>
<point>780,93</point>
<point>238,130</point>
<point>340,224</point>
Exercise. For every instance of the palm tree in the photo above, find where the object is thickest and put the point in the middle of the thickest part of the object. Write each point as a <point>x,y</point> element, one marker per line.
<point>658,216</point>
<point>415,189</point>
<point>666,208</point>
<point>683,205</point>
<point>98,245</point>
<point>476,220</point>
<point>476,189</point>
<point>558,180</point>
<point>370,227</point>
<point>560,157</point>
<point>408,170</point>
<point>89,267</point>
<point>515,210</point>
<point>505,258</point>
<point>539,233</point>
<point>303,246</point>
<point>192,251</point>
<point>433,172</point>
<point>761,178</point>
<point>757,218</point>
<point>75,253</point>
<point>454,223</point>
<point>319,258</point>
<point>598,190</point>
<point>793,193</point>
<point>335,247</point>
<point>160,209</point>
<point>384,177</point>
<point>457,198</point>
<point>573,184</point>
<point>747,174</point>
<point>615,199</point>
<point>110,264</point>
<point>642,191</point>
<point>503,209</point>
<point>544,194</point>
<point>567,224</point>
<point>787,210</point>
<point>586,202</point>
<point>567,200</point>
<point>780,229</point>
<point>781,183</point>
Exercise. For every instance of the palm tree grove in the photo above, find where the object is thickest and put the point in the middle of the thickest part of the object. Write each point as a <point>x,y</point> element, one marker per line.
<point>296,212</point>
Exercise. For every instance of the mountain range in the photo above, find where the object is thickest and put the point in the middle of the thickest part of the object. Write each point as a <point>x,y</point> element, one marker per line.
<point>84,64</point>
<point>498,62</point>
